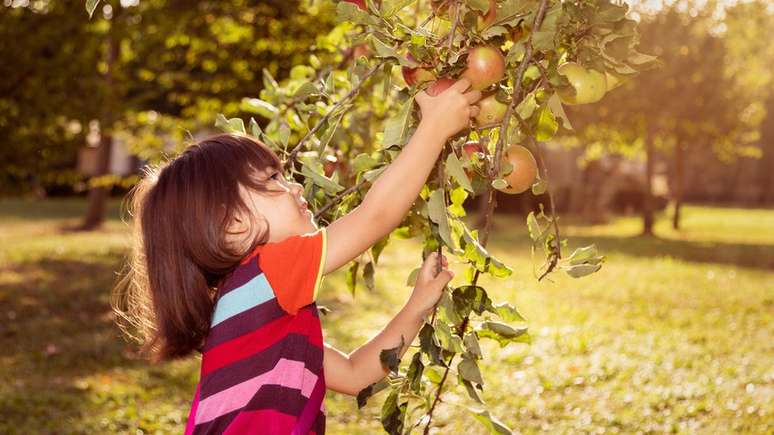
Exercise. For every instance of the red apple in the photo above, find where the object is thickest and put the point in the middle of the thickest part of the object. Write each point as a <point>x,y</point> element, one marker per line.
<point>413,76</point>
<point>468,149</point>
<point>490,111</point>
<point>439,86</point>
<point>360,3</point>
<point>486,66</point>
<point>524,169</point>
<point>330,164</point>
<point>487,20</point>
<point>361,50</point>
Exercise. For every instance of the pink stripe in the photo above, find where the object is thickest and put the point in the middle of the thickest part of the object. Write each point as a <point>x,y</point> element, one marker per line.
<point>287,373</point>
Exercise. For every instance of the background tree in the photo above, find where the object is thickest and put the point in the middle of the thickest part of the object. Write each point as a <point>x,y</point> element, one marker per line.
<point>686,106</point>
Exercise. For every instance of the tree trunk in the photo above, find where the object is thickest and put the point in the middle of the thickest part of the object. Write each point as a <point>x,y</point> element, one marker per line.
<point>98,196</point>
<point>678,184</point>
<point>766,162</point>
<point>647,208</point>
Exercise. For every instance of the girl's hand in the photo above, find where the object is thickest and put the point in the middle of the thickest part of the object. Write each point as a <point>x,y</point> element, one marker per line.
<point>451,110</point>
<point>429,286</point>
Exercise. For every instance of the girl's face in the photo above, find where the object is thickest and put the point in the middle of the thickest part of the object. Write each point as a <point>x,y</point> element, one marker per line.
<point>285,208</point>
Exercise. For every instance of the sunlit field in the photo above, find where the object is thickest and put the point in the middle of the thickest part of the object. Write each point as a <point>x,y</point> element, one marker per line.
<point>674,334</point>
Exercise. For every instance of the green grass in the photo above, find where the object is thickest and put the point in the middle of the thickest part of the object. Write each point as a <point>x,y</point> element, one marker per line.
<point>674,334</point>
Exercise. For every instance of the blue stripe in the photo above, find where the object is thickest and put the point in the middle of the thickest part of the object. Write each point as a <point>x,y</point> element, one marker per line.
<point>251,294</point>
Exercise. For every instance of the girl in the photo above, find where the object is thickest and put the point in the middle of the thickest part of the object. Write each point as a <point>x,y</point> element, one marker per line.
<point>228,260</point>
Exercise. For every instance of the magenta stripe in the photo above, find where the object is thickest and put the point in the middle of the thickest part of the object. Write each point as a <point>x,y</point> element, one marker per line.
<point>189,426</point>
<point>312,408</point>
<point>287,373</point>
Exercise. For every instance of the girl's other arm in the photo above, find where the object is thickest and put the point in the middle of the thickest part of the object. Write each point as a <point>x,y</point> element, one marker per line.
<point>351,373</point>
<point>393,193</point>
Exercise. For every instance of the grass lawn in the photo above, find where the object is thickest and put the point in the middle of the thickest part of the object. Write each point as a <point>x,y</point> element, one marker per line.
<point>674,334</point>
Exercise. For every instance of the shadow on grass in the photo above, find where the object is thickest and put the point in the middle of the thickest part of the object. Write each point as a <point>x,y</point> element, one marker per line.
<point>736,254</point>
<point>56,329</point>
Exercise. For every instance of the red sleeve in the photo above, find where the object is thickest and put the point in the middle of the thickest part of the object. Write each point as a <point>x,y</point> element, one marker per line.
<point>294,268</point>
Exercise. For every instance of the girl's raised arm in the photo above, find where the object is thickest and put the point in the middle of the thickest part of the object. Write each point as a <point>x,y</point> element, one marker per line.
<point>393,193</point>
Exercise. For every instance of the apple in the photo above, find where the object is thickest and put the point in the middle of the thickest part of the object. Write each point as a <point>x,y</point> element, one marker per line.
<point>469,148</point>
<point>360,3</point>
<point>524,169</point>
<point>330,164</point>
<point>590,85</point>
<point>486,66</point>
<point>361,50</point>
<point>488,19</point>
<point>490,111</point>
<point>439,86</point>
<point>413,76</point>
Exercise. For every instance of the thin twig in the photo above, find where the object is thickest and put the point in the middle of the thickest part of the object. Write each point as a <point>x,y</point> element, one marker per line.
<point>292,157</point>
<point>336,199</point>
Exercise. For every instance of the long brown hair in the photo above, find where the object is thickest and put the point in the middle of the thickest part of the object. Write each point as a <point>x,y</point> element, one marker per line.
<point>181,212</point>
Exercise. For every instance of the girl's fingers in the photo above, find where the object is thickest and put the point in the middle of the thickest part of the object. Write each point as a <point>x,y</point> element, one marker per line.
<point>474,110</point>
<point>472,96</point>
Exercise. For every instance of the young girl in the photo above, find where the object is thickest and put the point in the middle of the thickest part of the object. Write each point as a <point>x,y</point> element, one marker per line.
<point>228,262</point>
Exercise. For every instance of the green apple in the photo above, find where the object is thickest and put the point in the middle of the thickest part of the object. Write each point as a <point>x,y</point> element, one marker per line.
<point>590,85</point>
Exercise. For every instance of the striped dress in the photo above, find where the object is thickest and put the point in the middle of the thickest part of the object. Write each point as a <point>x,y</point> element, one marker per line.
<point>262,362</point>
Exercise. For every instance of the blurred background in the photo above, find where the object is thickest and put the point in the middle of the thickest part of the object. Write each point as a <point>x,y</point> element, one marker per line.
<point>671,175</point>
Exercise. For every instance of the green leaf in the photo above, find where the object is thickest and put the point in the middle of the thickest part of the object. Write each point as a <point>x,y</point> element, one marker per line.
<point>321,180</point>
<point>233,125</point>
<point>436,208</point>
<point>546,124</point>
<point>414,372</point>
<point>469,298</point>
<point>535,232</point>
<point>478,5</point>
<point>350,12</point>
<point>91,5</point>
<point>458,196</point>
<point>502,333</point>
<point>393,414</point>
<point>368,275</point>
<point>446,339</point>
<point>447,310</point>
<point>284,134</point>
<point>497,269</point>
<point>455,169</point>
<point>305,90</point>
<point>581,270</point>
<point>495,426</point>
<point>351,277</point>
<point>583,254</point>
<point>539,187</point>
<point>329,130</point>
<point>373,173</point>
<point>365,393</point>
<point>395,127</point>
<point>260,107</point>
<point>412,278</point>
<point>508,312</point>
<point>499,183</point>
<point>555,104</point>
<point>390,358</point>
<point>392,7</point>
<point>468,369</point>
<point>527,106</point>
<point>471,389</point>
<point>471,344</point>
<point>363,162</point>
<point>255,129</point>
<point>428,344</point>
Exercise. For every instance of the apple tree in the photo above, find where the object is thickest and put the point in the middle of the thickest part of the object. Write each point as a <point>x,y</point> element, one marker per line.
<point>338,125</point>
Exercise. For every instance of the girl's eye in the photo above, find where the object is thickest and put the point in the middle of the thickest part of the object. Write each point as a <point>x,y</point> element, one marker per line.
<point>276,176</point>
